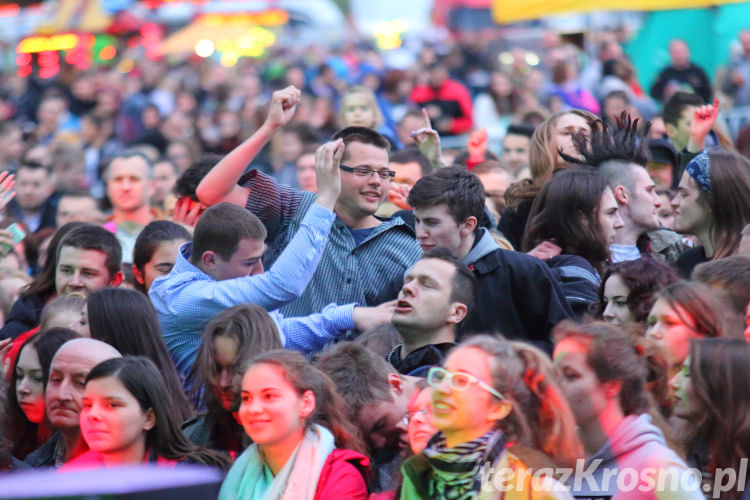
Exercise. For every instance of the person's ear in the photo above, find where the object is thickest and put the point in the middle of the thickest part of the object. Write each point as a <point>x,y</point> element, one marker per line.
<point>139,276</point>
<point>612,389</point>
<point>458,312</point>
<point>150,420</point>
<point>622,196</point>
<point>396,383</point>
<point>208,259</point>
<point>116,279</point>
<point>307,406</point>
<point>501,410</point>
<point>468,226</point>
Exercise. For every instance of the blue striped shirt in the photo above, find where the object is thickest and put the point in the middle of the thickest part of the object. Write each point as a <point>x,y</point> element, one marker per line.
<point>348,272</point>
<point>187,298</point>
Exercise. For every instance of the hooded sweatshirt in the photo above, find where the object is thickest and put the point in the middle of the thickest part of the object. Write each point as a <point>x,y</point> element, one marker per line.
<point>483,246</point>
<point>630,464</point>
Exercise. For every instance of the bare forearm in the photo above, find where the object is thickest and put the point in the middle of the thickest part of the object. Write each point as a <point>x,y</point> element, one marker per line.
<point>221,180</point>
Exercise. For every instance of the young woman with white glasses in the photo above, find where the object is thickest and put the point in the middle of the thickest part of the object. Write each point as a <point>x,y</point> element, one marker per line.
<point>494,403</point>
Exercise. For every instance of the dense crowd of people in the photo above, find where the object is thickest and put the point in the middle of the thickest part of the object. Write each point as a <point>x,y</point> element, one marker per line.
<point>278,271</point>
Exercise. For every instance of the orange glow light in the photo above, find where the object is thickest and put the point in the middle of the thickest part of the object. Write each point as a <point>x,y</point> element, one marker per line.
<point>107,53</point>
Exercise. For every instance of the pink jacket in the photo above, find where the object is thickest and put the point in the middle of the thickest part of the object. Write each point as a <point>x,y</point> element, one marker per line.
<point>344,475</point>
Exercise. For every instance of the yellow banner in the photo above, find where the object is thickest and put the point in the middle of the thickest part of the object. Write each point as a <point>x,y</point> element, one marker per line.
<point>509,11</point>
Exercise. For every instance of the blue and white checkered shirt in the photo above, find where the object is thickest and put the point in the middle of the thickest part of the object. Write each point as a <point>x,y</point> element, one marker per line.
<point>348,272</point>
<point>187,298</point>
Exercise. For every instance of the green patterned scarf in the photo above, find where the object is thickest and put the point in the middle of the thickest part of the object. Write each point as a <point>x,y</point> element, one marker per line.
<point>456,472</point>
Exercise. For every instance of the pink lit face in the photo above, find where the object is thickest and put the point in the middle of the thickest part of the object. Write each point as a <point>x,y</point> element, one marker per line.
<point>672,328</point>
<point>578,382</point>
<point>112,420</point>
<point>271,411</point>
<point>420,429</point>
<point>30,384</point>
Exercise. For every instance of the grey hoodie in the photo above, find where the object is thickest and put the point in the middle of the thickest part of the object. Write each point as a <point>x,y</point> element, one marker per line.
<point>484,245</point>
<point>631,465</point>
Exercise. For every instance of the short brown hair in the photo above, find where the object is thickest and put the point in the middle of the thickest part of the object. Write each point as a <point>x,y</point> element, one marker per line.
<point>360,375</point>
<point>90,237</point>
<point>731,275</point>
<point>221,228</point>
<point>362,135</point>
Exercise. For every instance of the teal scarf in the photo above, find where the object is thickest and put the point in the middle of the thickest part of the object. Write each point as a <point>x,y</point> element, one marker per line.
<point>251,479</point>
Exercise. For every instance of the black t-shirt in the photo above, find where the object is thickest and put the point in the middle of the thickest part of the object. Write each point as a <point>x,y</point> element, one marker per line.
<point>689,259</point>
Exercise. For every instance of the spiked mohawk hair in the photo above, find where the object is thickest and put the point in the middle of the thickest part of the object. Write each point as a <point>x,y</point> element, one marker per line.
<point>622,144</point>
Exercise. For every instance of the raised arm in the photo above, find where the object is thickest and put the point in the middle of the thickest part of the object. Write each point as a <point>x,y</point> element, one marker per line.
<point>427,140</point>
<point>220,184</point>
<point>310,333</point>
<point>704,118</point>
<point>293,270</point>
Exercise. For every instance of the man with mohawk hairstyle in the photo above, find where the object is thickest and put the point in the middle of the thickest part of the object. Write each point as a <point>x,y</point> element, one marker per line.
<point>621,155</point>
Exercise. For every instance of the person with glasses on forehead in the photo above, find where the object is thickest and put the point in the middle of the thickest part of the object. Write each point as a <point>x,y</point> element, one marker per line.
<point>500,417</point>
<point>363,251</point>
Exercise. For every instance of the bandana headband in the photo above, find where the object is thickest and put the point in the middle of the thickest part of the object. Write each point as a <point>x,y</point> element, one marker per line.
<point>699,169</point>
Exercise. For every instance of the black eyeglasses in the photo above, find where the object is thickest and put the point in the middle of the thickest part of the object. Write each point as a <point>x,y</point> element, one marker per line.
<point>367,172</point>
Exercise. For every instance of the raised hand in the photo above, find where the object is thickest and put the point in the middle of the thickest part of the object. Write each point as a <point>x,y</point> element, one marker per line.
<point>7,193</point>
<point>427,140</point>
<point>187,211</point>
<point>370,317</point>
<point>477,146</point>
<point>545,250</point>
<point>398,193</point>
<point>327,174</point>
<point>283,105</point>
<point>704,118</point>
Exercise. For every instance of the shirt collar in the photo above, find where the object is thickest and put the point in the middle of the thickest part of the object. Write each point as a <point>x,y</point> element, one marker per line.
<point>183,264</point>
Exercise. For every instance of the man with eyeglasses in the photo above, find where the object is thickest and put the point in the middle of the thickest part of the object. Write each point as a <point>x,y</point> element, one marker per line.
<point>363,251</point>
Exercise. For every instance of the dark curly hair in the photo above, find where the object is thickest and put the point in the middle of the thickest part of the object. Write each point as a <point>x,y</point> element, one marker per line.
<point>644,278</point>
